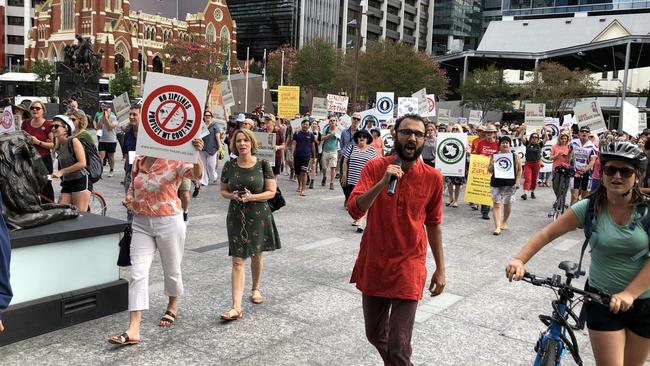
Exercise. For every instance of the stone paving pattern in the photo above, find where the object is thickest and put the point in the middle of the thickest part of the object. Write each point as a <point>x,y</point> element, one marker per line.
<point>312,315</point>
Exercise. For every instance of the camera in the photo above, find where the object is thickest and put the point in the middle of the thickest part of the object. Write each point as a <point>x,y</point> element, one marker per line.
<point>240,193</point>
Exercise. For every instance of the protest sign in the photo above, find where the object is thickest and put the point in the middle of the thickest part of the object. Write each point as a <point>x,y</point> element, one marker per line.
<point>450,154</point>
<point>423,104</point>
<point>266,146</point>
<point>226,94</point>
<point>475,117</point>
<point>337,103</point>
<point>385,104</point>
<point>443,116</point>
<point>295,124</point>
<point>288,101</point>
<point>7,124</point>
<point>567,121</point>
<point>554,125</point>
<point>369,115</point>
<point>171,116</point>
<point>319,108</point>
<point>643,122</point>
<point>547,163</point>
<point>345,121</point>
<point>630,119</point>
<point>406,105</point>
<point>470,139</point>
<point>478,181</point>
<point>219,116</point>
<point>431,103</point>
<point>520,150</point>
<point>387,137</point>
<point>121,106</point>
<point>534,117</point>
<point>504,166</point>
<point>589,114</point>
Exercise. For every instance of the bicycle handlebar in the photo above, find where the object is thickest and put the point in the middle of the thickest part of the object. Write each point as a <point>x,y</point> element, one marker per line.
<point>555,282</point>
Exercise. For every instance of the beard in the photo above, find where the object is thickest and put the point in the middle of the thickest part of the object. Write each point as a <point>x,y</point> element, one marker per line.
<point>400,149</point>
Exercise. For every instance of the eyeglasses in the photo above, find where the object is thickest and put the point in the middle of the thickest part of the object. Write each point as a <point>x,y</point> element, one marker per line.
<point>35,108</point>
<point>207,115</point>
<point>623,172</point>
<point>54,127</point>
<point>419,135</point>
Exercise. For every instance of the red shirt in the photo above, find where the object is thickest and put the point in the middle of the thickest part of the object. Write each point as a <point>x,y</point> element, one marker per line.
<point>40,133</point>
<point>393,251</point>
<point>484,147</point>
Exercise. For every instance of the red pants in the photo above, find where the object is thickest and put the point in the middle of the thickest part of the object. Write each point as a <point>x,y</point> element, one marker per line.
<point>531,173</point>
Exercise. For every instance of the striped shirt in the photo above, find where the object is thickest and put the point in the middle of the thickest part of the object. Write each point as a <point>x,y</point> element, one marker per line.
<point>357,160</point>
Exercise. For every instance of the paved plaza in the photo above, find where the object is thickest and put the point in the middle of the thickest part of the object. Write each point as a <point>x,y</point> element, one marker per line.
<point>312,315</point>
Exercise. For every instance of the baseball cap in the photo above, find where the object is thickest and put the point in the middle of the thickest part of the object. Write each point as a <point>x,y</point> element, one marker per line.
<point>241,117</point>
<point>68,122</point>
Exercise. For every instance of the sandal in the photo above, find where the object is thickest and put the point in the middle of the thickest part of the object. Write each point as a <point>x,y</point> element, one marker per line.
<point>169,318</point>
<point>455,204</point>
<point>228,316</point>
<point>256,297</point>
<point>123,340</point>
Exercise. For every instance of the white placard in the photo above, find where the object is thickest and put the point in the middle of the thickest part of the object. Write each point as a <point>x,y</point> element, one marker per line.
<point>295,124</point>
<point>475,117</point>
<point>406,105</point>
<point>219,117</point>
<point>423,104</point>
<point>345,121</point>
<point>7,124</point>
<point>589,114</point>
<point>630,119</point>
<point>504,166</point>
<point>204,131</point>
<point>319,108</point>
<point>534,117</point>
<point>337,103</point>
<point>450,154</point>
<point>567,121</point>
<point>554,125</point>
<point>547,163</point>
<point>519,150</point>
<point>443,115</point>
<point>226,94</point>
<point>121,107</point>
<point>171,116</point>
<point>431,103</point>
<point>643,122</point>
<point>266,146</point>
<point>387,137</point>
<point>385,104</point>
<point>369,115</point>
<point>132,156</point>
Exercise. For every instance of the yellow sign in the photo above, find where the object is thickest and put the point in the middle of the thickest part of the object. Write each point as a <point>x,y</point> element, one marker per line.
<point>478,181</point>
<point>288,101</point>
<point>471,139</point>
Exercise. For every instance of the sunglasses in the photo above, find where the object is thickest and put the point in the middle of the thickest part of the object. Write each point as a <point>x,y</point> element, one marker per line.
<point>623,172</point>
<point>35,108</point>
<point>207,115</point>
<point>356,119</point>
<point>54,127</point>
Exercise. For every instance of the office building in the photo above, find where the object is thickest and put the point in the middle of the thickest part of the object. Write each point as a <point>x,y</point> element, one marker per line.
<point>457,25</point>
<point>15,15</point>
<point>518,9</point>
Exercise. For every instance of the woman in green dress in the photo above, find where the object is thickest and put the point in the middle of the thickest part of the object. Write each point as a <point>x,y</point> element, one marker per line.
<point>248,183</point>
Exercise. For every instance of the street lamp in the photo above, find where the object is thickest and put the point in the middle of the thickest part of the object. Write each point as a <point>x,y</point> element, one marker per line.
<point>18,61</point>
<point>356,23</point>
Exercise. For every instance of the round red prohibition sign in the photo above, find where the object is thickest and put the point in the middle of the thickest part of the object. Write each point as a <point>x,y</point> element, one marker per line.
<point>7,119</point>
<point>171,115</point>
<point>432,104</point>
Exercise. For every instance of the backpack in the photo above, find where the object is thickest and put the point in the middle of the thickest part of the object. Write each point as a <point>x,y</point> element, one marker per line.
<point>589,227</point>
<point>93,164</point>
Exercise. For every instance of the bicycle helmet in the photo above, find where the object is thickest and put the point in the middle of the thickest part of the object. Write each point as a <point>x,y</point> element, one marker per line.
<point>623,151</point>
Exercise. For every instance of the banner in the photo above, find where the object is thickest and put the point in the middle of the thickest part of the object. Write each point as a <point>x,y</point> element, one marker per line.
<point>288,101</point>
<point>554,125</point>
<point>450,154</point>
<point>385,104</point>
<point>121,107</point>
<point>443,116</point>
<point>643,122</point>
<point>534,117</point>
<point>337,103</point>
<point>319,108</point>
<point>423,104</point>
<point>266,146</point>
<point>478,181</point>
<point>171,117</point>
<point>504,166</point>
<point>547,163</point>
<point>431,102</point>
<point>630,119</point>
<point>369,115</point>
<point>406,105</point>
<point>226,94</point>
<point>567,121</point>
<point>475,117</point>
<point>589,114</point>
<point>7,125</point>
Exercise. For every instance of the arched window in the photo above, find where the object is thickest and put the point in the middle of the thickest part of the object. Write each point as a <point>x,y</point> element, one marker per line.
<point>210,33</point>
<point>225,39</point>
<point>118,5</point>
<point>157,64</point>
<point>67,15</point>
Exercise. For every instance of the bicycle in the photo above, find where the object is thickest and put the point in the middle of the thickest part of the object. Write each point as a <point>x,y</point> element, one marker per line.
<point>559,338</point>
<point>97,204</point>
<point>559,206</point>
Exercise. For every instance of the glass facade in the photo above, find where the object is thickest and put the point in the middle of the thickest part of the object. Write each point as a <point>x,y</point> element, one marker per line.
<point>456,25</point>
<point>552,7</point>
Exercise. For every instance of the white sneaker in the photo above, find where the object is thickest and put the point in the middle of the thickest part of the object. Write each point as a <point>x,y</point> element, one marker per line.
<point>110,174</point>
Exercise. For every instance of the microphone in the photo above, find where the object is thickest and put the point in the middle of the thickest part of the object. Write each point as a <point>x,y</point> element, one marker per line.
<point>393,179</point>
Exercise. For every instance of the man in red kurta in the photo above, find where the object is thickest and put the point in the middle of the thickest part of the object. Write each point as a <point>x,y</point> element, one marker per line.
<point>390,270</point>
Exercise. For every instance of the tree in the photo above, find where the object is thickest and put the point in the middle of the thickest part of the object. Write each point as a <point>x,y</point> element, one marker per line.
<point>397,67</point>
<point>122,83</point>
<point>486,90</point>
<point>315,67</point>
<point>274,66</point>
<point>45,76</point>
<point>558,87</point>
<point>196,58</point>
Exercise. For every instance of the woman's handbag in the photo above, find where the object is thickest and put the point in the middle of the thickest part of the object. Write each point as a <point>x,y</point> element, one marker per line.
<point>124,258</point>
<point>277,202</point>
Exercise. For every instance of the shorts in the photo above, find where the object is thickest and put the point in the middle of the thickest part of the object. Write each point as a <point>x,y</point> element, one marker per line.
<point>109,147</point>
<point>185,185</point>
<point>76,185</point>
<point>277,168</point>
<point>637,319</point>
<point>504,195</point>
<point>595,183</point>
<point>330,160</point>
<point>582,182</point>
<point>301,165</point>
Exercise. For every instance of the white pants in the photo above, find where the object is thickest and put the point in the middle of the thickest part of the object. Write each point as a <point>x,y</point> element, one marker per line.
<point>209,168</point>
<point>167,234</point>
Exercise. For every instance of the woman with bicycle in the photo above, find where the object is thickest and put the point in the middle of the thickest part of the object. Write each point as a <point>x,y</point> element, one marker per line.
<point>619,333</point>
<point>559,155</point>
<point>248,182</point>
<point>75,182</point>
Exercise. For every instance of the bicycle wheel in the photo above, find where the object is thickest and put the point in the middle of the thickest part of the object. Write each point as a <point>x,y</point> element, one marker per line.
<point>97,204</point>
<point>549,353</point>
